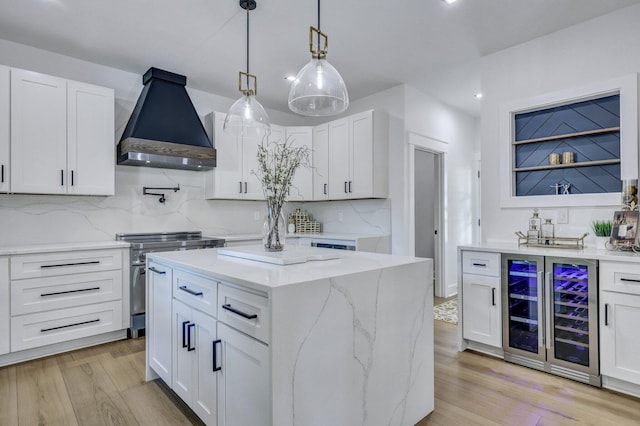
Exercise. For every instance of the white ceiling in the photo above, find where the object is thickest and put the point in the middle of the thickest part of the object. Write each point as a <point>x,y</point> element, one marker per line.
<point>375,44</point>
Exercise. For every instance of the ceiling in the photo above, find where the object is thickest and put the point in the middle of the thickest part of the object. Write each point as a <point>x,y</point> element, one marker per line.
<point>375,44</point>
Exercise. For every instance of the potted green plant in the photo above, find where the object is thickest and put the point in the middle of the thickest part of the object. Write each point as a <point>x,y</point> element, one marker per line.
<point>602,231</point>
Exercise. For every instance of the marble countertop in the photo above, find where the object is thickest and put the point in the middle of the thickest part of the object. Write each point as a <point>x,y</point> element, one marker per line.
<point>265,276</point>
<point>60,247</point>
<point>323,235</point>
<point>586,253</point>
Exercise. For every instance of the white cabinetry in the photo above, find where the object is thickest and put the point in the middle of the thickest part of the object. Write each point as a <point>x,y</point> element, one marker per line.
<point>302,186</point>
<point>320,170</point>
<point>5,316</point>
<point>5,135</point>
<point>358,152</point>
<point>481,298</point>
<point>619,317</point>
<point>159,341</point>
<point>236,158</point>
<point>62,136</point>
<point>195,366</point>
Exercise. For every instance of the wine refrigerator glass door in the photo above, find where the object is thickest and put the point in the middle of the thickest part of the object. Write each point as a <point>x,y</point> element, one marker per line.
<point>523,319</point>
<point>573,323</point>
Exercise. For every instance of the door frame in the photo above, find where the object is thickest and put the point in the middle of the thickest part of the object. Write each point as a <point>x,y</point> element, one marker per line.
<point>439,149</point>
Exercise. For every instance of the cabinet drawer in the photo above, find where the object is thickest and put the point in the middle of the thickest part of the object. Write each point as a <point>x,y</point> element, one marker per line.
<point>65,291</point>
<point>64,263</point>
<point>481,263</point>
<point>45,328</point>
<point>196,291</point>
<point>619,276</point>
<point>245,311</point>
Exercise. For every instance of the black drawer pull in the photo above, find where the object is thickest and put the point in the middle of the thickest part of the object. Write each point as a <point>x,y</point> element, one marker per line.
<point>493,296</point>
<point>2,174</point>
<point>237,312</point>
<point>188,290</point>
<point>606,314</point>
<point>72,178</point>
<point>189,328</point>
<point>44,330</point>
<point>481,265</point>
<point>215,358</point>
<point>69,291</point>
<point>630,280</point>
<point>60,265</point>
<point>61,177</point>
<point>157,271</point>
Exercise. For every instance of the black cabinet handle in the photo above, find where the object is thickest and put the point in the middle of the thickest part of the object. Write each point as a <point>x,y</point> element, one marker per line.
<point>215,358</point>
<point>184,333</point>
<point>606,314</point>
<point>61,177</point>
<point>189,328</point>
<point>493,296</point>
<point>69,291</point>
<point>188,290</point>
<point>44,330</point>
<point>630,280</point>
<point>240,191</point>
<point>2,174</point>
<point>60,265</point>
<point>157,271</point>
<point>237,312</point>
<point>245,187</point>
<point>71,177</point>
<point>349,186</point>
<point>481,265</point>
<point>325,189</point>
<point>345,187</point>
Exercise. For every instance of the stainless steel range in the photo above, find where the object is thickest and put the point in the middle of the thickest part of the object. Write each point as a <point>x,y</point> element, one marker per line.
<point>141,244</point>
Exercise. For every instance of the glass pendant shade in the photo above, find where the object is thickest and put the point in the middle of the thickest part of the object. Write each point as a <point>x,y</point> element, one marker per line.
<point>247,117</point>
<point>318,90</point>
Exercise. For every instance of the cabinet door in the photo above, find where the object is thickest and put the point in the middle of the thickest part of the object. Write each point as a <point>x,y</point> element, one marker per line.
<point>320,171</point>
<point>4,306</point>
<point>302,187</point>
<point>244,392</point>
<point>204,382</point>
<point>619,343</point>
<point>38,133</point>
<point>184,348</point>
<point>252,186</point>
<point>481,310</point>
<point>5,85</point>
<point>159,340</point>
<point>226,178</point>
<point>361,155</point>
<point>91,140</point>
<point>339,159</point>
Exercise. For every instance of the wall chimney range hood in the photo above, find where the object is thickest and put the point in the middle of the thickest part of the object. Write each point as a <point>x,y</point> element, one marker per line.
<point>164,129</point>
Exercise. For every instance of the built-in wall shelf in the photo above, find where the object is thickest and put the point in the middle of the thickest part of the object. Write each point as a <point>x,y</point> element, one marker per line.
<point>572,165</point>
<point>569,135</point>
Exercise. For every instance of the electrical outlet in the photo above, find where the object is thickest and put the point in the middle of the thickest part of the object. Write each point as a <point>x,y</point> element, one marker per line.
<point>256,215</point>
<point>563,216</point>
<point>340,217</point>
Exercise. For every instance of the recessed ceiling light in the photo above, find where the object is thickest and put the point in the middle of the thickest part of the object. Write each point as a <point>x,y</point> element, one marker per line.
<point>478,95</point>
<point>449,1</point>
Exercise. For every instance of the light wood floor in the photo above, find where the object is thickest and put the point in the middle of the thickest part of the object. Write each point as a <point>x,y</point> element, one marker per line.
<point>104,385</point>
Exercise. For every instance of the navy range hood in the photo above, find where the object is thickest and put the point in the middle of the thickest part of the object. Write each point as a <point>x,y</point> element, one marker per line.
<point>164,129</point>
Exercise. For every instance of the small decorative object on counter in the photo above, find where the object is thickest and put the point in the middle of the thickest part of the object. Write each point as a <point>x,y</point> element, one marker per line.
<point>533,234</point>
<point>547,232</point>
<point>292,225</point>
<point>624,231</point>
<point>304,224</point>
<point>554,159</point>
<point>630,194</point>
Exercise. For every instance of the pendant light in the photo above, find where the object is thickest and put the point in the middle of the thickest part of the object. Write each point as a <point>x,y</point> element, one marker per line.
<point>318,89</point>
<point>247,117</point>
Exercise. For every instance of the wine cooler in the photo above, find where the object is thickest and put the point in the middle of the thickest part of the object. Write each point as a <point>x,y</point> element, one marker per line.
<point>550,315</point>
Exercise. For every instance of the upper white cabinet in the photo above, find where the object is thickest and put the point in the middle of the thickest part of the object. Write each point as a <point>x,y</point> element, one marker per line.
<point>5,84</point>
<point>62,136</point>
<point>236,159</point>
<point>302,186</point>
<point>320,171</point>
<point>358,152</point>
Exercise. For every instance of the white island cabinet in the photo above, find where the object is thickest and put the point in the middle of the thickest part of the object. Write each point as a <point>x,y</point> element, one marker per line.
<point>334,342</point>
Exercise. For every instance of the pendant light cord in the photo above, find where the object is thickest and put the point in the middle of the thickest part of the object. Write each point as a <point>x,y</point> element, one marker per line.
<point>247,77</point>
<point>319,25</point>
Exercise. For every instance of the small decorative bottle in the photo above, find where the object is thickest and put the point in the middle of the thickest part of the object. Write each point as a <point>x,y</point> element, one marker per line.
<point>547,232</point>
<point>533,235</point>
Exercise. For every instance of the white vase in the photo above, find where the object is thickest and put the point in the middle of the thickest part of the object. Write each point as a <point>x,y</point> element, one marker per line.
<point>601,242</point>
<point>274,229</point>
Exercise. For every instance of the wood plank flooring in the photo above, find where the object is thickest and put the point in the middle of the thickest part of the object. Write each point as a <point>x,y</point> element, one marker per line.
<point>104,385</point>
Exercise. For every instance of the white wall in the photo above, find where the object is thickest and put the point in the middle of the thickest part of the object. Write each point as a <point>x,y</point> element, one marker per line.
<point>597,50</point>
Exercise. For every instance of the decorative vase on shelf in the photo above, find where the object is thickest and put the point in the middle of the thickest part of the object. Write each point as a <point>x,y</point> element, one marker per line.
<point>274,229</point>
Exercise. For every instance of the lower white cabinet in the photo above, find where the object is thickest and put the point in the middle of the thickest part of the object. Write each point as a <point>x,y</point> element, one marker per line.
<point>5,313</point>
<point>620,354</point>
<point>243,381</point>
<point>481,310</point>
<point>195,366</point>
<point>159,341</point>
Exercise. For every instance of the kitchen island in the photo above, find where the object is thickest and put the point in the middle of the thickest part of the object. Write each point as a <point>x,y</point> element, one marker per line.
<point>342,341</point>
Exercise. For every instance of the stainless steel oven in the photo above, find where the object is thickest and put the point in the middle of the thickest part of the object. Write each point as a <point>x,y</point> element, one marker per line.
<point>140,246</point>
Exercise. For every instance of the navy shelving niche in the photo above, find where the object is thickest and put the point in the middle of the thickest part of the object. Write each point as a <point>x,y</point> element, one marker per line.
<point>589,129</point>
